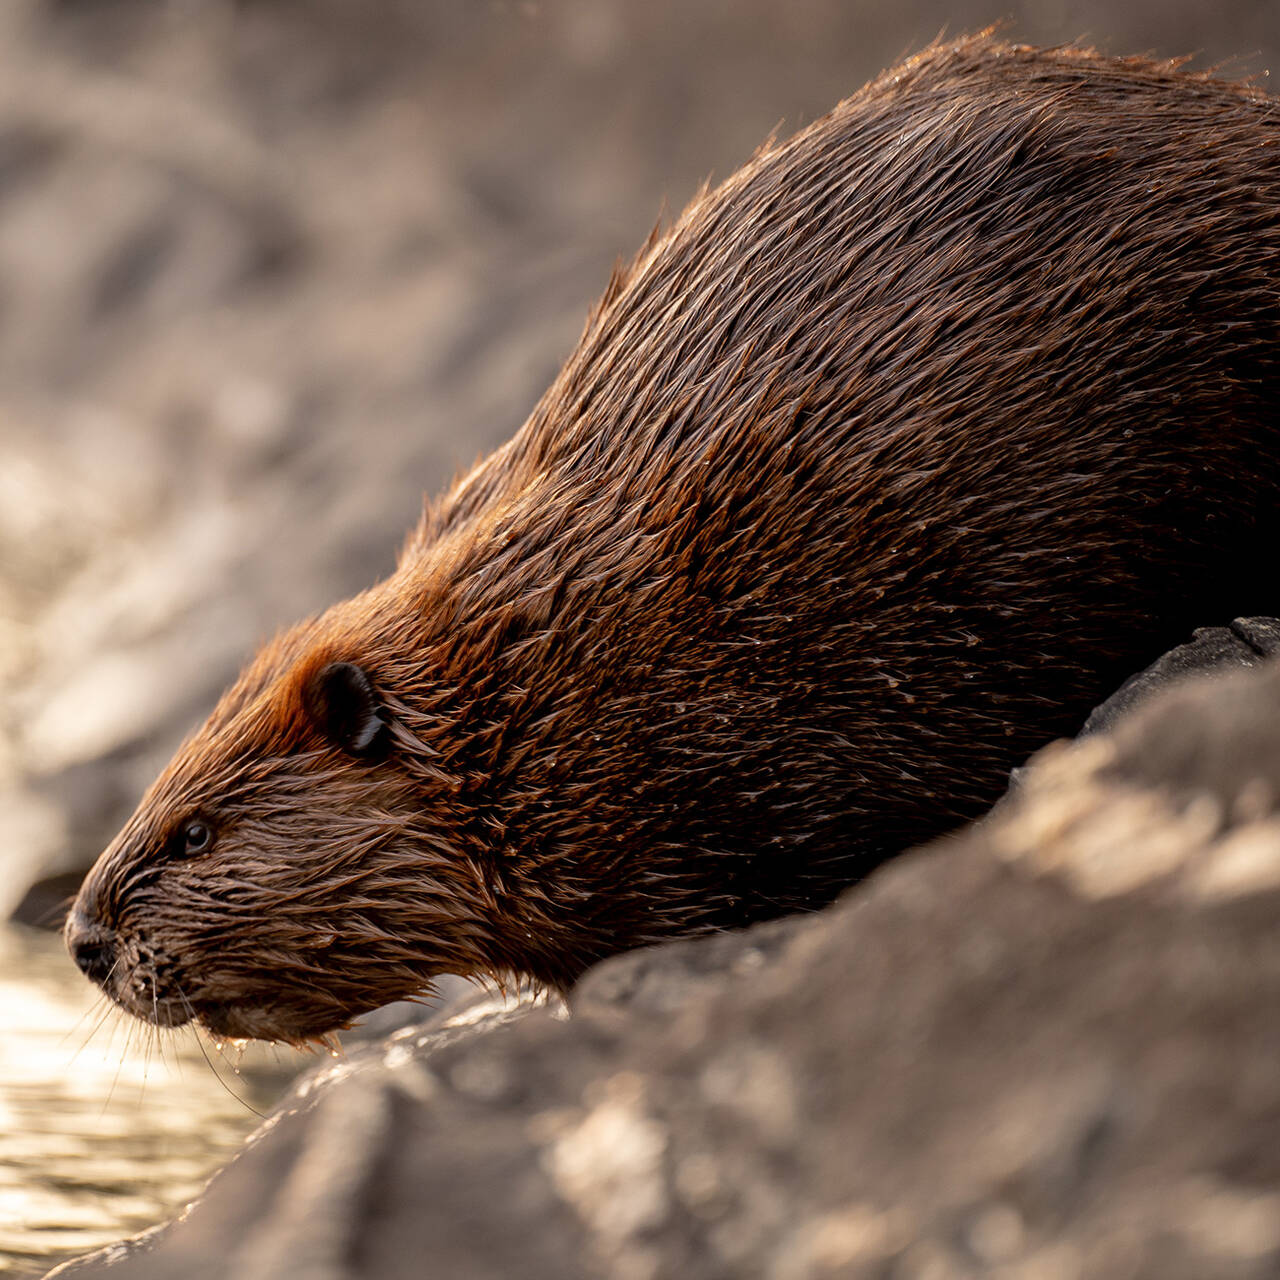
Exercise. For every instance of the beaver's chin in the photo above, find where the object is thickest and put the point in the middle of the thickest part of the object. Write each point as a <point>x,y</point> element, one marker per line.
<point>239,1020</point>
<point>159,1012</point>
<point>244,1020</point>
<point>137,992</point>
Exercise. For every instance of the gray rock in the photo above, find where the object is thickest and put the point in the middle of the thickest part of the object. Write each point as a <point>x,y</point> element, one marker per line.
<point>1247,642</point>
<point>1044,1047</point>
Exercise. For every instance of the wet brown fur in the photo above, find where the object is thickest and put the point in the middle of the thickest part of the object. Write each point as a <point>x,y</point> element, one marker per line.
<point>872,474</point>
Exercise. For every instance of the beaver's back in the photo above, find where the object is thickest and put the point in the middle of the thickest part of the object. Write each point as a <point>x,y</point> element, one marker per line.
<point>898,452</point>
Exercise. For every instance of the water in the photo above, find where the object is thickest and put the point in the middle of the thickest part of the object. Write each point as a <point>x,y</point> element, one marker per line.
<point>106,1126</point>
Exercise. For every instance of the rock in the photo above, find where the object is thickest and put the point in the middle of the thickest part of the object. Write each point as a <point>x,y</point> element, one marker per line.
<point>1247,642</point>
<point>1045,1047</point>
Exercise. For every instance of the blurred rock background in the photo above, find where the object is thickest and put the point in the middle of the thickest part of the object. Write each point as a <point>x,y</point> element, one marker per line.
<point>271,269</point>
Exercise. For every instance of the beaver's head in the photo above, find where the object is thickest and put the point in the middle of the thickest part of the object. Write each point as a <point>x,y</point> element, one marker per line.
<point>301,860</point>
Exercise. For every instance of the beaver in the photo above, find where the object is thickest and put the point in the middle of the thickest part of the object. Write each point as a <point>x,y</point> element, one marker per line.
<point>873,472</point>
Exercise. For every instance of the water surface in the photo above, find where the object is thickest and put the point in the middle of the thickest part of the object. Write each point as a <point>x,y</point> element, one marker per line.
<point>106,1126</point>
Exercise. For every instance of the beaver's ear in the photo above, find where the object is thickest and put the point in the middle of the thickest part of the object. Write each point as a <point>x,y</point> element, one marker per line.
<point>341,700</point>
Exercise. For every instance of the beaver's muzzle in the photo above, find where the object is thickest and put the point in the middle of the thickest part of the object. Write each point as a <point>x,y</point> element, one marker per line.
<point>92,946</point>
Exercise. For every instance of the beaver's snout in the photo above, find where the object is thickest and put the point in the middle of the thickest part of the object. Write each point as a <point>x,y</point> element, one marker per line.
<point>92,946</point>
<point>134,970</point>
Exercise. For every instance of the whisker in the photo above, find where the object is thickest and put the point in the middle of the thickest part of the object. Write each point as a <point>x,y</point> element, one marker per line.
<point>56,913</point>
<point>115,1080</point>
<point>91,1011</point>
<point>244,1102</point>
<point>99,1011</point>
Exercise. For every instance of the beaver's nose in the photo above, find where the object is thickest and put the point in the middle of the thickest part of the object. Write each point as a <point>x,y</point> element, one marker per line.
<point>92,946</point>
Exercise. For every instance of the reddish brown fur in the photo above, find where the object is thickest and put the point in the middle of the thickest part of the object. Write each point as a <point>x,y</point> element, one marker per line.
<point>871,475</point>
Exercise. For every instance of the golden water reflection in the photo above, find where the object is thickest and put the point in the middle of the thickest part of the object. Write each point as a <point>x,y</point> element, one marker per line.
<point>105,1127</point>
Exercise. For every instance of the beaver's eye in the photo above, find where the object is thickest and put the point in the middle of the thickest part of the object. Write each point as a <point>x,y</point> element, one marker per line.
<point>196,836</point>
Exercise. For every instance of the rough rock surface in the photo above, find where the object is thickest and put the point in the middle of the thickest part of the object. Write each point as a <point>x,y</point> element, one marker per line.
<point>1247,642</point>
<point>1046,1048</point>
